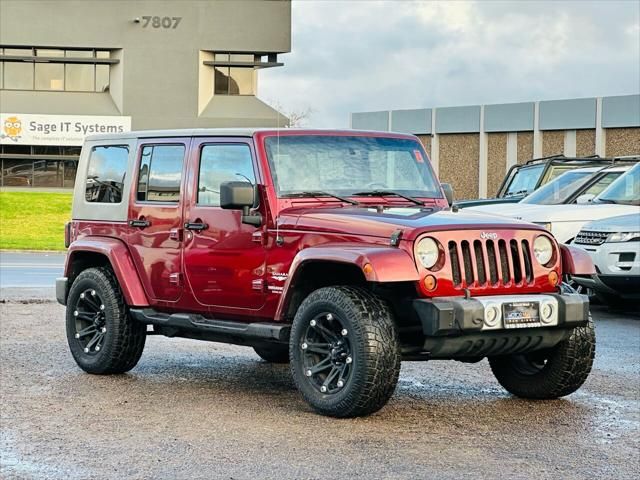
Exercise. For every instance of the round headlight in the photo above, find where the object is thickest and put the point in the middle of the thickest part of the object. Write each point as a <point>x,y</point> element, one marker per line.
<point>427,252</point>
<point>543,249</point>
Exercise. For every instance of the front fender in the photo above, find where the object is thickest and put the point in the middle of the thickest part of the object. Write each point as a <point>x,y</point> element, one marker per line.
<point>576,261</point>
<point>378,264</point>
<point>121,262</point>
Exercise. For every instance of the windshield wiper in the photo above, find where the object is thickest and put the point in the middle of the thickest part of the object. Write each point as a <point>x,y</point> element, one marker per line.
<point>318,194</point>
<point>386,193</point>
<point>519,192</point>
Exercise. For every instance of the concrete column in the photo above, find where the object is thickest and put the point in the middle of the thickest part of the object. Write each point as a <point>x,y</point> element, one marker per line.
<point>483,164</point>
<point>570,143</point>
<point>512,149</point>
<point>537,134</point>
<point>435,143</point>
<point>601,133</point>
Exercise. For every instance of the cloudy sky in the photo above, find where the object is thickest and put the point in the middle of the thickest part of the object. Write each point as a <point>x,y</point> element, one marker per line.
<point>367,55</point>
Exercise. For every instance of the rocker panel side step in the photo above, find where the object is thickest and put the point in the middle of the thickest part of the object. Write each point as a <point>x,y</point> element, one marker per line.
<point>264,331</point>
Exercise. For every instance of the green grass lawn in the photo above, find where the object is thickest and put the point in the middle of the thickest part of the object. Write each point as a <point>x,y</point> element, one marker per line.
<point>33,221</point>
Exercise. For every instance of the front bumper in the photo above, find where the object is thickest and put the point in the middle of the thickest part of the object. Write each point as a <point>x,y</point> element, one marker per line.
<point>456,327</point>
<point>626,287</point>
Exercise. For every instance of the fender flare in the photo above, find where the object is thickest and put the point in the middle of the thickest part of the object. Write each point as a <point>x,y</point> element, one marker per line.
<point>576,261</point>
<point>121,262</point>
<point>383,265</point>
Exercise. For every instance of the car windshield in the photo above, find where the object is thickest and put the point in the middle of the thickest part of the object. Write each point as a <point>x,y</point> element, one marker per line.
<point>524,180</point>
<point>624,190</point>
<point>348,165</point>
<point>558,190</point>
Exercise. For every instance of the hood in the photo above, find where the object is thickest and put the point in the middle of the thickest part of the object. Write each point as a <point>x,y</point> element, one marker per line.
<point>504,209</point>
<point>622,223</point>
<point>571,213</point>
<point>412,221</point>
<point>559,213</point>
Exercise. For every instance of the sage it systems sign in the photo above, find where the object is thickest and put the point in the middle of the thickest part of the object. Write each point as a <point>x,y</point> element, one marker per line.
<point>29,129</point>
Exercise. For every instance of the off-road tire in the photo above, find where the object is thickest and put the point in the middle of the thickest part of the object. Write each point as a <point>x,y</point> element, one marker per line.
<point>374,344</point>
<point>275,353</point>
<point>124,339</point>
<point>567,367</point>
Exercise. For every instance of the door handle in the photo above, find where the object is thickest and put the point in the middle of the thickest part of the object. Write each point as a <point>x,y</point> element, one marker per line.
<point>139,223</point>
<point>197,226</point>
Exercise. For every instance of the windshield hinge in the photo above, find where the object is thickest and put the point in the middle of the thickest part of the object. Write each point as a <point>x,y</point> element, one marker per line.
<point>394,241</point>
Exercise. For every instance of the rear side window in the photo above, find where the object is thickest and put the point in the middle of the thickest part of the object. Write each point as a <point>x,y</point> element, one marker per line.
<point>106,173</point>
<point>222,163</point>
<point>160,173</point>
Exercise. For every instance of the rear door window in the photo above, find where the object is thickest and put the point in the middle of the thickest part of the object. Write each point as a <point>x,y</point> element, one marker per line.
<point>160,174</point>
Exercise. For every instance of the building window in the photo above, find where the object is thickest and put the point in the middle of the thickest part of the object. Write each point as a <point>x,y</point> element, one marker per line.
<point>234,74</point>
<point>106,172</point>
<point>49,69</point>
<point>160,173</point>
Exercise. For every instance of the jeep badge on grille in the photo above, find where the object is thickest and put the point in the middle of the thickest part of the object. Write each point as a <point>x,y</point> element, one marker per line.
<point>489,235</point>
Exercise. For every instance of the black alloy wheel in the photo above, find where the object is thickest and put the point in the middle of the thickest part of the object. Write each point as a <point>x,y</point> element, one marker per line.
<point>90,321</point>
<point>327,356</point>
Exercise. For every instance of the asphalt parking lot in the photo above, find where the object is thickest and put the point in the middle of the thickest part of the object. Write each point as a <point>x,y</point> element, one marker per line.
<point>194,410</point>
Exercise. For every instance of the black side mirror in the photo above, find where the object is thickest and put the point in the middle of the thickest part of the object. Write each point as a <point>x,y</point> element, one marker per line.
<point>241,196</point>
<point>448,192</point>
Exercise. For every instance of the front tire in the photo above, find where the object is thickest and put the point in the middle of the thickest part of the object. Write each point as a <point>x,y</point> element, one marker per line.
<point>550,373</point>
<point>102,337</point>
<point>344,352</point>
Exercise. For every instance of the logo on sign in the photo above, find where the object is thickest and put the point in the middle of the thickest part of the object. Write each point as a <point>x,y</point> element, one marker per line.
<point>489,235</point>
<point>12,128</point>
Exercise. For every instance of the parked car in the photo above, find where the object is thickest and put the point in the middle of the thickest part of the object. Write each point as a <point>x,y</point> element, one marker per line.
<point>336,251</point>
<point>581,183</point>
<point>614,246</point>
<point>521,180</point>
<point>622,197</point>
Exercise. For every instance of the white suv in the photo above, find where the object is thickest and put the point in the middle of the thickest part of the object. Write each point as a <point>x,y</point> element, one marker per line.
<point>622,197</point>
<point>614,246</point>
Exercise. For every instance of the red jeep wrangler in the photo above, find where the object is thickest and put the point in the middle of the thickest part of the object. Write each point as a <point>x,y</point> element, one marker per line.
<point>336,251</point>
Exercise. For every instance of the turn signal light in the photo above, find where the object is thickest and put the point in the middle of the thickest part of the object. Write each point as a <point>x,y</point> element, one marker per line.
<point>429,283</point>
<point>553,278</point>
<point>368,270</point>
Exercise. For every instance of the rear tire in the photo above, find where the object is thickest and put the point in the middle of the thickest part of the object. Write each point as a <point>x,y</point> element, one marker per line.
<point>345,358</point>
<point>102,337</point>
<point>275,353</point>
<point>550,373</point>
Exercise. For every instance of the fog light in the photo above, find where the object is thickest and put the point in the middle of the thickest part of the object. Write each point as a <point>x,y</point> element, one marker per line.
<point>491,316</point>
<point>553,278</point>
<point>430,282</point>
<point>546,312</point>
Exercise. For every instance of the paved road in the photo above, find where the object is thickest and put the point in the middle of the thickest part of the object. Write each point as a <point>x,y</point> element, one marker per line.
<point>193,410</point>
<point>30,270</point>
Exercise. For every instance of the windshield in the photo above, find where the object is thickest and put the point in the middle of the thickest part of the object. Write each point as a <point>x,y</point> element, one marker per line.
<point>524,180</point>
<point>558,190</point>
<point>349,165</point>
<point>625,190</point>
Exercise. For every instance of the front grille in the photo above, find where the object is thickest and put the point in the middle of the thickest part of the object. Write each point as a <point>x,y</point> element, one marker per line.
<point>591,238</point>
<point>485,263</point>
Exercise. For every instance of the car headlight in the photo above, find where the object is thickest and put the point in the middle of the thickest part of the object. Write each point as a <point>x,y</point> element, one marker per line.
<point>545,225</point>
<point>543,249</point>
<point>623,237</point>
<point>427,252</point>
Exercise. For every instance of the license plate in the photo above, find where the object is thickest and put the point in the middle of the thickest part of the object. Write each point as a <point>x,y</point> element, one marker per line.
<point>521,314</point>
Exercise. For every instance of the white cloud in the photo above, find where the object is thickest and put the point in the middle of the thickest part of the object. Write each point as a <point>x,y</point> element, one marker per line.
<point>361,55</point>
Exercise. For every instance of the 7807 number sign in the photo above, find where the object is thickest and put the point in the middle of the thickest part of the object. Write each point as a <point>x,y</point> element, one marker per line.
<point>160,22</point>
